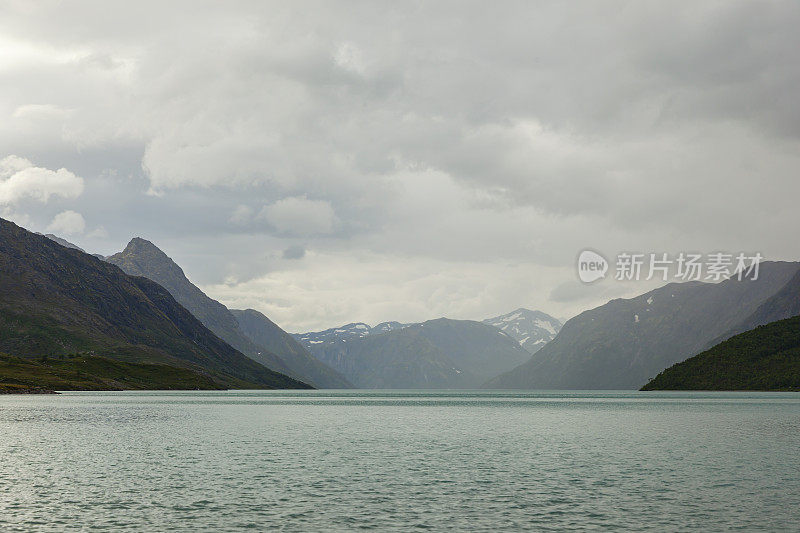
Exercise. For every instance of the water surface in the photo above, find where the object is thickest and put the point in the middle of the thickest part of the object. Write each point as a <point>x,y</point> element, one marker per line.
<point>338,460</point>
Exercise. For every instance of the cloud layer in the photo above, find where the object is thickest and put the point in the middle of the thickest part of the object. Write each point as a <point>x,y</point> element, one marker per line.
<point>371,161</point>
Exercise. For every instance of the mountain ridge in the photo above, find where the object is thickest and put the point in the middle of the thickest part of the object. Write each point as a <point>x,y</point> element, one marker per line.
<point>440,353</point>
<point>625,342</point>
<point>143,258</point>
<point>55,300</point>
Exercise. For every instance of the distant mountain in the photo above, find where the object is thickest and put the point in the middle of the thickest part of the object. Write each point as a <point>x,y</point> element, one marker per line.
<point>440,353</point>
<point>62,242</point>
<point>273,349</point>
<point>264,332</point>
<point>765,358</point>
<point>348,331</point>
<point>67,244</point>
<point>56,301</point>
<point>783,304</point>
<point>623,343</point>
<point>532,329</point>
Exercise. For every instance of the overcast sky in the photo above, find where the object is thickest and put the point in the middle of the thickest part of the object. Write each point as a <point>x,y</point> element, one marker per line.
<point>366,161</point>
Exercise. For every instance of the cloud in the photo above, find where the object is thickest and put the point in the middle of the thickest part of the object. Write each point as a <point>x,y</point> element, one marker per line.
<point>242,215</point>
<point>493,140</point>
<point>40,112</point>
<point>574,291</point>
<point>294,252</point>
<point>20,219</point>
<point>349,57</point>
<point>306,295</point>
<point>99,232</point>
<point>19,179</point>
<point>67,223</point>
<point>299,216</point>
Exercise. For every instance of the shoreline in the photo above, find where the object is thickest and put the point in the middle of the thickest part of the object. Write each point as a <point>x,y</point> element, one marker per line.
<point>28,391</point>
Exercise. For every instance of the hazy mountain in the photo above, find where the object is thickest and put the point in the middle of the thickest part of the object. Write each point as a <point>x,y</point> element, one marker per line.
<point>58,301</point>
<point>273,348</point>
<point>623,343</point>
<point>67,244</point>
<point>764,358</point>
<point>62,242</point>
<point>352,330</point>
<point>532,329</point>
<point>783,304</point>
<point>440,353</point>
<point>264,332</point>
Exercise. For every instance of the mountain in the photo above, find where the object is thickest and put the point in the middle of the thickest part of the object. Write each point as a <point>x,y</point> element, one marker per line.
<point>62,242</point>
<point>264,332</point>
<point>765,358</point>
<point>783,304</point>
<point>274,348</point>
<point>67,244</point>
<point>440,353</point>
<point>143,258</point>
<point>348,331</point>
<point>622,344</point>
<point>58,301</point>
<point>532,329</point>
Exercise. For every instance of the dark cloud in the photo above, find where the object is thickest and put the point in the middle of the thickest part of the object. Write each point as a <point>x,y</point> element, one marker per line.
<point>294,252</point>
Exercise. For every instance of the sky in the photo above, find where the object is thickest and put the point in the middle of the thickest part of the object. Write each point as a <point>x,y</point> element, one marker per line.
<point>333,162</point>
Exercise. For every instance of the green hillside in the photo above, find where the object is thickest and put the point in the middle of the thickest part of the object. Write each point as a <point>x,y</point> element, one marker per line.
<point>765,358</point>
<point>88,372</point>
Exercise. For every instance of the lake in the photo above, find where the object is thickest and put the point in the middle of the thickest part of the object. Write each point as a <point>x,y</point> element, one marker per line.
<point>400,460</point>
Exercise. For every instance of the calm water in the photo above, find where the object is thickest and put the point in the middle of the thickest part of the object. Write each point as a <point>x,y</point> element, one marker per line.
<point>400,460</point>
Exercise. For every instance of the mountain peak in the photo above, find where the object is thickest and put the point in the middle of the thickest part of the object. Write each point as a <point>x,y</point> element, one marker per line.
<point>532,329</point>
<point>139,245</point>
<point>146,255</point>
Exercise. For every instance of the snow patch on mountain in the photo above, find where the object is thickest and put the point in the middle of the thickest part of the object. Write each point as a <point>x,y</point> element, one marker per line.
<point>348,331</point>
<point>532,329</point>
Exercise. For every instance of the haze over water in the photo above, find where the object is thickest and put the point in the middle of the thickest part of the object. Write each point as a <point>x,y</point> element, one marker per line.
<point>328,460</point>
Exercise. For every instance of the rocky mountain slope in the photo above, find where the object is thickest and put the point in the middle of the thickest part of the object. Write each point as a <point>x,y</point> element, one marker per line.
<point>58,301</point>
<point>265,333</point>
<point>274,349</point>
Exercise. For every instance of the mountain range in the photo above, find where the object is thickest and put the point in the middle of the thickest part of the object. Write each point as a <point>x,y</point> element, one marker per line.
<point>624,343</point>
<point>248,331</point>
<point>58,302</point>
<point>85,323</point>
<point>348,331</point>
<point>439,353</point>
